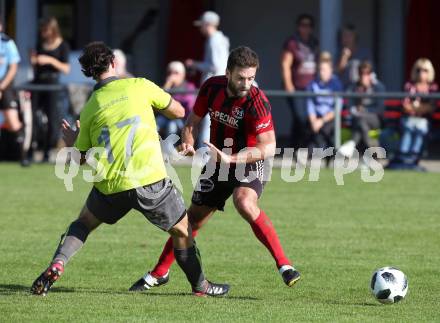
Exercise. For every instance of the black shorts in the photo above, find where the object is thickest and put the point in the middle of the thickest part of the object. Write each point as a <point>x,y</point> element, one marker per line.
<point>161,203</point>
<point>8,99</point>
<point>214,190</point>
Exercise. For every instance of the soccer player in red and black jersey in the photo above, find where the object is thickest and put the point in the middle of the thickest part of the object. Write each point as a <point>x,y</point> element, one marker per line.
<point>241,122</point>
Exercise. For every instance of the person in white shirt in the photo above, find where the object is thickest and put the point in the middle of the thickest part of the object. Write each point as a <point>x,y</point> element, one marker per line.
<point>214,59</point>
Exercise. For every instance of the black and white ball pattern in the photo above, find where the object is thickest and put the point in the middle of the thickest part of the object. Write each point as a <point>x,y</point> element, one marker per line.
<point>389,285</point>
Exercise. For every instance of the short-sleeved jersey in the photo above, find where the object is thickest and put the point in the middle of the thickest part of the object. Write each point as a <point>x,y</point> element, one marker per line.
<point>119,118</point>
<point>238,118</point>
<point>48,73</point>
<point>8,54</point>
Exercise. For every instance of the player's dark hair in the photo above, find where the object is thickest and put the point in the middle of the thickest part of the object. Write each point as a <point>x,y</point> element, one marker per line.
<point>305,16</point>
<point>96,59</point>
<point>242,57</point>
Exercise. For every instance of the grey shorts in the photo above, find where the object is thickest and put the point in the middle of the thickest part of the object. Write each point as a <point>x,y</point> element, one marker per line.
<point>161,203</point>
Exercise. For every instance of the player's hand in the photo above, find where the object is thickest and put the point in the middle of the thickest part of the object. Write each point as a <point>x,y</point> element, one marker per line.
<point>186,149</point>
<point>219,155</point>
<point>69,135</point>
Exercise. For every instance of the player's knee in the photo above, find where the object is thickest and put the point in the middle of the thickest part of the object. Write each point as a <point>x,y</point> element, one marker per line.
<point>180,229</point>
<point>247,208</point>
<point>88,219</point>
<point>79,230</point>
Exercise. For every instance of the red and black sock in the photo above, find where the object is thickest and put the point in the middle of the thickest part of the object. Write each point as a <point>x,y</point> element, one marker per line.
<point>265,232</point>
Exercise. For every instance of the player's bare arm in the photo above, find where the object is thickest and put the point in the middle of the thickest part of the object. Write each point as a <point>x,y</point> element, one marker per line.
<point>70,135</point>
<point>265,148</point>
<point>174,111</point>
<point>189,134</point>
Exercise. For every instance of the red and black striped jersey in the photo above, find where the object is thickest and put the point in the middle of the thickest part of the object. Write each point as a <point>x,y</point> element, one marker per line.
<point>239,119</point>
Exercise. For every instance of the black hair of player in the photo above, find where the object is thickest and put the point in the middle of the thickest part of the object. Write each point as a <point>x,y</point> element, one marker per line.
<point>96,59</point>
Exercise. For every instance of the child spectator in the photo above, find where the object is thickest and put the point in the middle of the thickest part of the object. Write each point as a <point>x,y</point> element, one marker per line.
<point>320,109</point>
<point>365,112</point>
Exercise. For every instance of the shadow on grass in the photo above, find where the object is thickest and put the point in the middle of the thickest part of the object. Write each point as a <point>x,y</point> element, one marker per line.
<point>354,303</point>
<point>13,289</point>
<point>158,294</point>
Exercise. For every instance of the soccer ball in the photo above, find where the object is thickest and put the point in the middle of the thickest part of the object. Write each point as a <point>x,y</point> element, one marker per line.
<point>389,285</point>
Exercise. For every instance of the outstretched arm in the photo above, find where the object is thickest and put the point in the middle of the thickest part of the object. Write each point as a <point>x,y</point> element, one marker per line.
<point>265,148</point>
<point>174,110</point>
<point>189,133</point>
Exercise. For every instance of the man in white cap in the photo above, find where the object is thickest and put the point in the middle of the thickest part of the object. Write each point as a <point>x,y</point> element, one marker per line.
<point>214,60</point>
<point>216,47</point>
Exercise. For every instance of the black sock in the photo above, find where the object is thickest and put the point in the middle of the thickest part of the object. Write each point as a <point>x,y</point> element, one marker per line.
<point>189,261</point>
<point>73,241</point>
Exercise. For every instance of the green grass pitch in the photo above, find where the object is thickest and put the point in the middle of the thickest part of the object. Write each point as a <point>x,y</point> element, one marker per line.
<point>336,235</point>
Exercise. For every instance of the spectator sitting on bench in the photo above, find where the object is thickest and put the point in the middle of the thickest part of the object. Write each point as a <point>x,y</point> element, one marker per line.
<point>320,109</point>
<point>414,124</point>
<point>365,112</point>
<point>176,80</point>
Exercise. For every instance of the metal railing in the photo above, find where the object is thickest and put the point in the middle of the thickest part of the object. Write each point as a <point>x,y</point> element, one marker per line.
<point>339,103</point>
<point>338,97</point>
<point>32,87</point>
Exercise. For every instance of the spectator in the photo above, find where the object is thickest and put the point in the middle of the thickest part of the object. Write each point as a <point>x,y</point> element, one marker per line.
<point>121,64</point>
<point>365,112</point>
<point>320,109</point>
<point>216,47</point>
<point>176,81</point>
<point>214,60</point>
<point>9,59</point>
<point>351,56</point>
<point>416,111</point>
<point>298,68</point>
<point>49,60</point>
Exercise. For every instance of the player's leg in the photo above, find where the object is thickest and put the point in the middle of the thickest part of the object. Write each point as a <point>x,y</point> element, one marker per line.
<point>245,201</point>
<point>209,196</point>
<point>70,243</point>
<point>99,208</point>
<point>198,215</point>
<point>162,204</point>
<point>189,260</point>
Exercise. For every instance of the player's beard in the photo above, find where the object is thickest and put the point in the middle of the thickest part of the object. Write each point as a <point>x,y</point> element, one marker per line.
<point>238,92</point>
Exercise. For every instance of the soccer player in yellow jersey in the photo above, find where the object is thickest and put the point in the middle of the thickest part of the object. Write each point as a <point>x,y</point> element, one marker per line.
<point>117,133</point>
